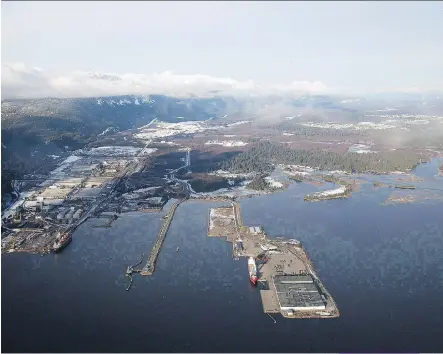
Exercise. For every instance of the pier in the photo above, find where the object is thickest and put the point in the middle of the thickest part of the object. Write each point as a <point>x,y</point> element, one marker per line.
<point>111,219</point>
<point>149,268</point>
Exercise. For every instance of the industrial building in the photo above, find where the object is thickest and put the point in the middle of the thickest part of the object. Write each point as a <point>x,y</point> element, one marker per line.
<point>84,169</point>
<point>42,204</point>
<point>254,230</point>
<point>87,193</point>
<point>54,192</point>
<point>67,215</point>
<point>68,182</point>
<point>96,181</point>
<point>298,293</point>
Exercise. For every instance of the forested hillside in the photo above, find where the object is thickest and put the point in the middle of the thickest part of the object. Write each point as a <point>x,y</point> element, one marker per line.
<point>262,156</point>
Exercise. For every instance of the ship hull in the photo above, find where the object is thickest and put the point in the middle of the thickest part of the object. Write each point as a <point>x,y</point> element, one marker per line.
<point>63,245</point>
<point>253,279</point>
<point>252,271</point>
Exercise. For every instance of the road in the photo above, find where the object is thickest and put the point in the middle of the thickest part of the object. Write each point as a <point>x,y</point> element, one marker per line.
<point>142,150</point>
<point>186,186</point>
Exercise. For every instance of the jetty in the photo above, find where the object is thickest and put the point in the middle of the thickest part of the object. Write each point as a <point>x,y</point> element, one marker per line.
<point>149,268</point>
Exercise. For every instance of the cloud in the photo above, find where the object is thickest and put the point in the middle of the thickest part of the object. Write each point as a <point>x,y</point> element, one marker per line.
<point>20,81</point>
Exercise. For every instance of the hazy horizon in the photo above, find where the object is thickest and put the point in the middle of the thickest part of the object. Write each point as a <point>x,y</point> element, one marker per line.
<point>80,49</point>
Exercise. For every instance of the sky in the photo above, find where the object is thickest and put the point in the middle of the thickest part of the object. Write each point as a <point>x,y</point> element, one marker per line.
<point>51,48</point>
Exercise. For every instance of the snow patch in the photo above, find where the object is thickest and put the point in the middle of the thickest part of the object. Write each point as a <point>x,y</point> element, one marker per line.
<point>273,183</point>
<point>112,151</point>
<point>65,164</point>
<point>226,143</point>
<point>238,123</point>
<point>358,126</point>
<point>228,174</point>
<point>360,149</point>
<point>336,191</point>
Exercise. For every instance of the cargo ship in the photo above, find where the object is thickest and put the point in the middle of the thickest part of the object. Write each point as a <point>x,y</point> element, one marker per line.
<point>252,270</point>
<point>61,241</point>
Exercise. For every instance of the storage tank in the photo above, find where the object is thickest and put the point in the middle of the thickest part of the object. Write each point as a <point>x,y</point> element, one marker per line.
<point>61,214</point>
<point>77,214</point>
<point>69,215</point>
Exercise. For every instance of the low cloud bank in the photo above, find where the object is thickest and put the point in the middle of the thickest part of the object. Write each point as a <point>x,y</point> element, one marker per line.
<point>20,81</point>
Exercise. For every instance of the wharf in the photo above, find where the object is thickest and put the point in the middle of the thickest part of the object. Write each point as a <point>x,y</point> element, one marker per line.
<point>270,301</point>
<point>276,259</point>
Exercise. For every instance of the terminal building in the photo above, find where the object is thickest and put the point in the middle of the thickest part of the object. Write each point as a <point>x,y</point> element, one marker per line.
<point>298,293</point>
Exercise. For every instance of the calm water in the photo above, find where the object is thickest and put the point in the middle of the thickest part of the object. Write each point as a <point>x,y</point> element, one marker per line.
<point>382,264</point>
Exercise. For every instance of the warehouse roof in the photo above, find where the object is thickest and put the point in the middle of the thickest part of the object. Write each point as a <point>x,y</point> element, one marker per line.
<point>297,291</point>
<point>295,288</point>
<point>300,300</point>
<point>293,279</point>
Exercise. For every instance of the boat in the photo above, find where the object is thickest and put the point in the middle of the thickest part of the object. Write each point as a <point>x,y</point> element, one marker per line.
<point>61,241</point>
<point>177,249</point>
<point>252,270</point>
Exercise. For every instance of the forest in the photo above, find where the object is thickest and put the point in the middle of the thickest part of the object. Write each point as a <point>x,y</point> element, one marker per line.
<point>258,183</point>
<point>263,155</point>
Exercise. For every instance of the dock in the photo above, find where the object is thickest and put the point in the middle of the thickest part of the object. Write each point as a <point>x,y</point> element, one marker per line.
<point>149,268</point>
<point>270,302</point>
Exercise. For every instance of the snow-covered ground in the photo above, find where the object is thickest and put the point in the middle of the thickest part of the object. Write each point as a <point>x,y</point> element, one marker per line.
<point>65,164</point>
<point>230,193</point>
<point>164,129</point>
<point>136,193</point>
<point>17,203</point>
<point>226,143</point>
<point>409,121</point>
<point>228,174</point>
<point>144,190</point>
<point>273,183</point>
<point>107,130</point>
<point>296,168</point>
<point>338,172</point>
<point>147,151</point>
<point>358,126</point>
<point>337,191</point>
<point>406,116</point>
<point>360,149</point>
<point>116,151</point>
<point>238,123</point>
<point>214,213</point>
